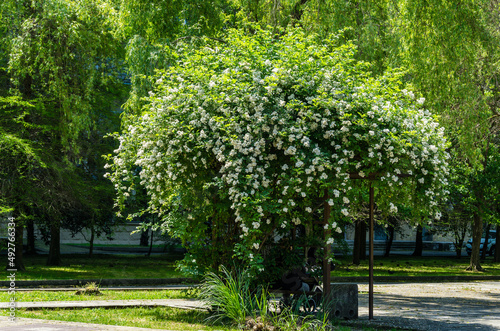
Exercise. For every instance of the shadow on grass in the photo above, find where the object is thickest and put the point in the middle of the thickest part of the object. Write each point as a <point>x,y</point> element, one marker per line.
<point>77,266</point>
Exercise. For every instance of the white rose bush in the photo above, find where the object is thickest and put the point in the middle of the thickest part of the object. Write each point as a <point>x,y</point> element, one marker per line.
<point>240,141</point>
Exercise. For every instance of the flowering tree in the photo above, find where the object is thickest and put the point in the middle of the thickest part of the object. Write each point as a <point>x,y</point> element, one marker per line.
<point>242,142</point>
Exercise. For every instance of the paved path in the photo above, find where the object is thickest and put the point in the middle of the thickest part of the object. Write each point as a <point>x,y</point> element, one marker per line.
<point>29,324</point>
<point>436,307</point>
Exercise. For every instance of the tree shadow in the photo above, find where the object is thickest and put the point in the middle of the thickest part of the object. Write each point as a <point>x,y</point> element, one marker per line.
<point>435,313</point>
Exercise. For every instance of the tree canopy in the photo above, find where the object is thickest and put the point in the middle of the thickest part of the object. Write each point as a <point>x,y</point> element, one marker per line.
<point>247,134</point>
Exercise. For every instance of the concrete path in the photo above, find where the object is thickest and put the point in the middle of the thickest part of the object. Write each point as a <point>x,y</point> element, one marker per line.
<point>29,324</point>
<point>437,307</point>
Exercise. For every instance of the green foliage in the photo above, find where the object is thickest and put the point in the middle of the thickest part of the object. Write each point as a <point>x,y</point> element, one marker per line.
<point>449,49</point>
<point>20,171</point>
<point>58,58</point>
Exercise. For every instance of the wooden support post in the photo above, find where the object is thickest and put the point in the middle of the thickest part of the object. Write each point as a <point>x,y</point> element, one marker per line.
<point>326,256</point>
<point>370,287</point>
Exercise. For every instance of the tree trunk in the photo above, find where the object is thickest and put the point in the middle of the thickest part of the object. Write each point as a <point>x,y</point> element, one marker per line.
<point>419,244</point>
<point>54,258</point>
<point>477,232</point>
<point>458,248</point>
<point>390,239</point>
<point>362,243</point>
<point>151,244</point>
<point>496,257</point>
<point>356,256</point>
<point>144,238</point>
<point>485,245</point>
<point>30,229</point>
<point>91,241</point>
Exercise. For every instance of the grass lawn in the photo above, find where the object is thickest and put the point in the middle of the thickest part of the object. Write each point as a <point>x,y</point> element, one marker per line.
<point>153,317</point>
<point>414,266</point>
<point>163,266</point>
<point>39,296</point>
<point>79,266</point>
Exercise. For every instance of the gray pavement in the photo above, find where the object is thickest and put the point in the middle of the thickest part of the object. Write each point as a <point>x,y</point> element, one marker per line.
<point>29,324</point>
<point>424,307</point>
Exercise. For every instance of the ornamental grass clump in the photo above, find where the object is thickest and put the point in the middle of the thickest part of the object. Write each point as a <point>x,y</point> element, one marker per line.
<point>89,289</point>
<point>242,142</point>
<point>229,296</point>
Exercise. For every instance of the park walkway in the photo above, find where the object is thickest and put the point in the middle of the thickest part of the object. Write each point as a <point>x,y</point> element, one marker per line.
<point>437,307</point>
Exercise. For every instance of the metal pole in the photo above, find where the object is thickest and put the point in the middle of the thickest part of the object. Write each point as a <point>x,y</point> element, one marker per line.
<point>370,288</point>
<point>326,262</point>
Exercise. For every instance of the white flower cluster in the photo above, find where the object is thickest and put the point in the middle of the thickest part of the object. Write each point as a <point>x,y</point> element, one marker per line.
<point>272,132</point>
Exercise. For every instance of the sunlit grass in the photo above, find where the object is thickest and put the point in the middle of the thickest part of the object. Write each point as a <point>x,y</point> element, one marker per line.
<point>39,296</point>
<point>413,266</point>
<point>122,266</point>
<point>101,267</point>
<point>153,317</point>
<point>148,317</point>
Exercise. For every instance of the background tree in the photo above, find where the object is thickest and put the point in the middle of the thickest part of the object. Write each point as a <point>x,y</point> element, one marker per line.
<point>450,50</point>
<point>61,57</point>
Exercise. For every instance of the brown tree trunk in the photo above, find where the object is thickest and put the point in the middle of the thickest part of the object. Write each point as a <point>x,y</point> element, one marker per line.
<point>362,243</point>
<point>477,232</point>
<point>54,258</point>
<point>30,231</point>
<point>419,244</point>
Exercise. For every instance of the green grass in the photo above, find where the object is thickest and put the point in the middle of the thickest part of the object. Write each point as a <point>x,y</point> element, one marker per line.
<point>155,317</point>
<point>163,266</point>
<point>414,266</point>
<point>79,266</point>
<point>39,296</point>
<point>152,317</point>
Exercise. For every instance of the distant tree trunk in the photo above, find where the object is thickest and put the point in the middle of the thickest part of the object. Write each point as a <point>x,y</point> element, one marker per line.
<point>458,247</point>
<point>362,243</point>
<point>356,256</point>
<point>144,237</point>
<point>30,230</point>
<point>477,231</point>
<point>92,237</point>
<point>459,234</point>
<point>390,239</point>
<point>151,244</point>
<point>54,258</point>
<point>496,257</point>
<point>485,245</point>
<point>419,244</point>
<point>359,246</point>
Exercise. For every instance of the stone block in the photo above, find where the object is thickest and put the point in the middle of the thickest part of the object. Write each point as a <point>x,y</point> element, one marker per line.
<point>345,300</point>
